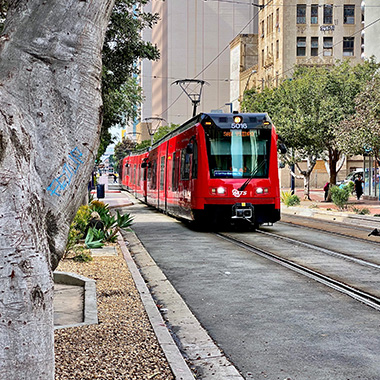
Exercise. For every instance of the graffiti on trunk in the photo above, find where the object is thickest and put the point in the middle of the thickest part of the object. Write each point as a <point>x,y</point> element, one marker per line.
<point>69,169</point>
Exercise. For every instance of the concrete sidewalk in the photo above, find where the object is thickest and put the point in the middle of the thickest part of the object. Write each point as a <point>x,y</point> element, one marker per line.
<point>71,299</point>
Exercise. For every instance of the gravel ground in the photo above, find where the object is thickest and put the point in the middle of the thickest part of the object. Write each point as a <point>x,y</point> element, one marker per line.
<point>123,344</point>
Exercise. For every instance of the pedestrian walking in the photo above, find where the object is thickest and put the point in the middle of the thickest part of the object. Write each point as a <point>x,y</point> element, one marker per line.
<point>326,190</point>
<point>359,186</point>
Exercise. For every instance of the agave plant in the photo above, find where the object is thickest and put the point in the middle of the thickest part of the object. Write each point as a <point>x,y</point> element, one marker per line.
<point>93,239</point>
<point>122,222</point>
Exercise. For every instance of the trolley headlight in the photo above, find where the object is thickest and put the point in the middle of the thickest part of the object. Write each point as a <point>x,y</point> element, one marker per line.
<point>218,190</point>
<point>238,119</point>
<point>262,190</point>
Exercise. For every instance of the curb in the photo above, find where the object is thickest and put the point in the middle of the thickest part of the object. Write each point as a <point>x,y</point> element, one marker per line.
<point>205,356</point>
<point>90,310</point>
<point>175,359</point>
<point>333,216</point>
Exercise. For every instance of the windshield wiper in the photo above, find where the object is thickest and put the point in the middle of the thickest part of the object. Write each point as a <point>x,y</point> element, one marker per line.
<point>253,172</point>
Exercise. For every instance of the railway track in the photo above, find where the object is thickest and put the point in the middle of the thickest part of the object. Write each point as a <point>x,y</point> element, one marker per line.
<point>356,277</point>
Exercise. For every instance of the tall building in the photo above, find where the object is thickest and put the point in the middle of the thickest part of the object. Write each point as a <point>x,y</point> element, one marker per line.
<point>306,32</point>
<point>193,37</point>
<point>371,32</point>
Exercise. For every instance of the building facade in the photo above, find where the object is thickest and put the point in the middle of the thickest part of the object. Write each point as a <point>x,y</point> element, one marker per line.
<point>306,32</point>
<point>193,37</point>
<point>371,32</point>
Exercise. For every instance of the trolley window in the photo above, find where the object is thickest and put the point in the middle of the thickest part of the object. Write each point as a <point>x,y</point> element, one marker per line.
<point>154,175</point>
<point>175,176</point>
<point>194,168</point>
<point>185,165</point>
<point>238,153</point>
<point>162,173</point>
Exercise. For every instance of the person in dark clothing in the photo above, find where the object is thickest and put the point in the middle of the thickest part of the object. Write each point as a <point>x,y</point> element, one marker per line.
<point>359,187</point>
<point>326,190</point>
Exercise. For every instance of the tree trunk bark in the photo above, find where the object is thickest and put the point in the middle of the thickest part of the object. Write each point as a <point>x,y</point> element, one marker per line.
<point>50,117</point>
<point>311,162</point>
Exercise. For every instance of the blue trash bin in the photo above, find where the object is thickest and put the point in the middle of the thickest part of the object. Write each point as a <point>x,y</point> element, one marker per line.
<point>100,191</point>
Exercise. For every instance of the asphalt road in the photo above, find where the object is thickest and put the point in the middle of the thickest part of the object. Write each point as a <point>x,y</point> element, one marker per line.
<point>271,323</point>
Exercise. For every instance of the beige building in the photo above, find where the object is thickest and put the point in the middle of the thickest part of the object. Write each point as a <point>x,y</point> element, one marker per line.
<point>306,32</point>
<point>243,67</point>
<point>302,32</point>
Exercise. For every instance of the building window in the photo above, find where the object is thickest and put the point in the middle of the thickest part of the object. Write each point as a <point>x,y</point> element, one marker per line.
<point>314,13</point>
<point>301,46</point>
<point>271,22</point>
<point>277,17</point>
<point>348,46</point>
<point>314,47</point>
<point>262,29</point>
<point>301,14</point>
<point>328,14</point>
<point>349,14</point>
<point>277,49</point>
<point>262,58</point>
<point>327,46</point>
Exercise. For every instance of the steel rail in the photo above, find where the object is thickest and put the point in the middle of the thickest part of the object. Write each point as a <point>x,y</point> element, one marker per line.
<point>354,293</point>
<point>340,255</point>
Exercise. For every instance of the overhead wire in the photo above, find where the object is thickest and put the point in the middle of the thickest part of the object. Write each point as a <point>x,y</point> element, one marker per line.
<point>247,24</point>
<point>217,56</point>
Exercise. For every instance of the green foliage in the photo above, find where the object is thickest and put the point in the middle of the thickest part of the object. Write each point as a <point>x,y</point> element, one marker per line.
<point>112,224</point>
<point>123,148</point>
<point>78,227</point>
<point>144,144</point>
<point>81,219</point>
<point>361,211</point>
<point>309,109</point>
<point>83,257</point>
<point>73,239</point>
<point>90,241</point>
<point>123,47</point>
<point>289,199</point>
<point>361,133</point>
<point>163,131</point>
<point>341,194</point>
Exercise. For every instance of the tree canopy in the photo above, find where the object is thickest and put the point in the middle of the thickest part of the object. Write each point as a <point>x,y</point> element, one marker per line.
<point>309,109</point>
<point>361,133</point>
<point>123,47</point>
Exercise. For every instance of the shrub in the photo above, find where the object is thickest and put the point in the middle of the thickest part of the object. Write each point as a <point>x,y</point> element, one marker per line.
<point>94,239</point>
<point>81,220</point>
<point>341,194</point>
<point>100,207</point>
<point>73,238</point>
<point>289,199</point>
<point>83,257</point>
<point>361,211</point>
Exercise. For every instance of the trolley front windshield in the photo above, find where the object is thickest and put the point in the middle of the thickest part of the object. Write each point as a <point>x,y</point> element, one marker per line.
<point>239,153</point>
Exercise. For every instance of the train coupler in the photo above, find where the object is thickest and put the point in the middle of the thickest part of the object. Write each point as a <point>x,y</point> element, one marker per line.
<point>242,211</point>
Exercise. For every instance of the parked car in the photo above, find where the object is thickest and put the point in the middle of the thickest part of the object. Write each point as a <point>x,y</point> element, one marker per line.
<point>351,176</point>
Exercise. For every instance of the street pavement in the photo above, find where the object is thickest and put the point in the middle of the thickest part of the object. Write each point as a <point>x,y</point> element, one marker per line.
<point>70,298</point>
